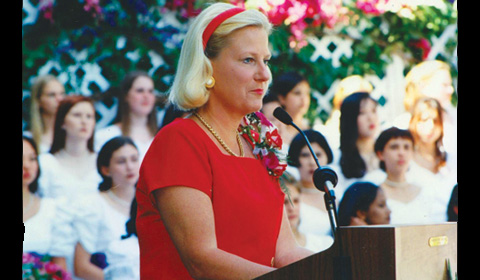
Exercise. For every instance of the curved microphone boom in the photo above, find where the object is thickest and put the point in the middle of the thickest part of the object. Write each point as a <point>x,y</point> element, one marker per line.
<point>324,178</point>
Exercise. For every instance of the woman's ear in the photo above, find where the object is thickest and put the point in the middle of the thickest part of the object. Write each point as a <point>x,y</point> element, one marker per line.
<point>380,155</point>
<point>361,215</point>
<point>105,171</point>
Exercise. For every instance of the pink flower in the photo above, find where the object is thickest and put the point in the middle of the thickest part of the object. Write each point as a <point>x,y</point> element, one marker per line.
<point>274,166</point>
<point>373,7</point>
<point>92,4</point>
<point>263,119</point>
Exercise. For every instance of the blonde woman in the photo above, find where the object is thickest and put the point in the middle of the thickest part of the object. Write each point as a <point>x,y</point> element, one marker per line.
<point>47,92</point>
<point>200,171</point>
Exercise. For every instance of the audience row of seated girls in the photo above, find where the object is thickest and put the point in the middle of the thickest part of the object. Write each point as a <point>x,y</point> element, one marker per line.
<point>79,181</point>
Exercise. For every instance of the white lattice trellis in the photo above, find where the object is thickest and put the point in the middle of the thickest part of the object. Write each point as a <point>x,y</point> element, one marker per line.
<point>331,47</point>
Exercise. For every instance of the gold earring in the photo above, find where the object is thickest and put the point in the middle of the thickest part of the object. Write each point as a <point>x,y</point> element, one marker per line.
<point>210,83</point>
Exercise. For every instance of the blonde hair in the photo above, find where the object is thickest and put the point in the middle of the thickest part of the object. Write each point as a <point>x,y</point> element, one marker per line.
<point>194,68</point>
<point>349,85</point>
<point>417,76</point>
<point>37,126</point>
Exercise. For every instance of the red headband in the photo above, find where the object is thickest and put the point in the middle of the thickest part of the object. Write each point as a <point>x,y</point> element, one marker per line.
<point>212,26</point>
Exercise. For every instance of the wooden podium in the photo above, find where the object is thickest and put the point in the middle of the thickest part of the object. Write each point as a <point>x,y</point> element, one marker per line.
<point>386,252</point>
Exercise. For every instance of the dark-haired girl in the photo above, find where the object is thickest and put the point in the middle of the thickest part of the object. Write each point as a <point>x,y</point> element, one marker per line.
<point>313,213</point>
<point>409,202</point>
<point>293,92</point>
<point>100,218</point>
<point>363,204</point>
<point>40,215</point>
<point>359,125</point>
<point>136,116</point>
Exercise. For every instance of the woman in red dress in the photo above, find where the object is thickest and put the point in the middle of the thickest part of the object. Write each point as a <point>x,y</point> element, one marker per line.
<point>209,201</point>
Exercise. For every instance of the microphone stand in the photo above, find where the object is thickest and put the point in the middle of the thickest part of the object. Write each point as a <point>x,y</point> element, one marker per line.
<point>325,179</point>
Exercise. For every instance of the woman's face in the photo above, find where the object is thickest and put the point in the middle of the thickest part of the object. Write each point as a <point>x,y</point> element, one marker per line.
<point>140,97</point>
<point>378,213</point>
<point>428,128</point>
<point>297,101</point>
<point>80,121</point>
<point>397,155</point>
<point>241,71</point>
<point>367,120</point>
<point>307,162</point>
<point>439,86</point>
<point>124,166</point>
<point>53,92</point>
<point>293,211</point>
<point>30,164</point>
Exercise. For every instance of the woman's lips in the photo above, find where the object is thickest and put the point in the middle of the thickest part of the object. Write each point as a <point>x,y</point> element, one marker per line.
<point>258,91</point>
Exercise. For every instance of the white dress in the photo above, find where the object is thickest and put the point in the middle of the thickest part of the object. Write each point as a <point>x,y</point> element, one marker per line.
<point>376,177</point>
<point>123,257</point>
<point>97,223</point>
<point>56,181</point>
<point>315,224</point>
<point>417,211</point>
<point>39,229</point>
<point>437,186</point>
<point>317,243</point>
<point>104,134</point>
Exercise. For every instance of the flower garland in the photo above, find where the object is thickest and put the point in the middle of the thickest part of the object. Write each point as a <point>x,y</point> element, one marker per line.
<point>36,266</point>
<point>263,136</point>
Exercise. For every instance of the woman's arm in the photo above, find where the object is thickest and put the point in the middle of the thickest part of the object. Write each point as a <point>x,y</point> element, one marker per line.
<point>188,217</point>
<point>288,251</point>
<point>83,267</point>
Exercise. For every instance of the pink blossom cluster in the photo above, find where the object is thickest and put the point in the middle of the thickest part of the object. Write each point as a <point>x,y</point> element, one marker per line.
<point>92,5</point>
<point>372,7</point>
<point>301,14</point>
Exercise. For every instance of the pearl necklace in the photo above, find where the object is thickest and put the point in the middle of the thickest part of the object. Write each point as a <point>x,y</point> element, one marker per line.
<point>220,140</point>
<point>118,200</point>
<point>396,184</point>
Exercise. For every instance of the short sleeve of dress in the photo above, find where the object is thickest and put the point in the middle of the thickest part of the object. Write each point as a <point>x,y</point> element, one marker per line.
<point>63,233</point>
<point>178,156</point>
<point>88,220</point>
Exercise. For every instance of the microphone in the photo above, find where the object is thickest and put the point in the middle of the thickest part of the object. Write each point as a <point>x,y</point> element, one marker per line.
<point>323,178</point>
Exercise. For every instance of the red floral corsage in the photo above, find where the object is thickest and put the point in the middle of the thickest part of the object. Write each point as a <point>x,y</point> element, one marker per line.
<point>263,136</point>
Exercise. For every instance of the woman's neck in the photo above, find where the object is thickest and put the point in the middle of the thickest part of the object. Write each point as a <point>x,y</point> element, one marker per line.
<point>138,120</point>
<point>365,145</point>
<point>76,147</point>
<point>223,122</point>
<point>425,149</point>
<point>124,192</point>
<point>26,194</point>
<point>48,123</point>
<point>308,184</point>
<point>396,177</point>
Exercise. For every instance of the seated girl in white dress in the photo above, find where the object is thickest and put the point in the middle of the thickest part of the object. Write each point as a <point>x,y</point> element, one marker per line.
<point>39,214</point>
<point>100,217</point>
<point>314,218</point>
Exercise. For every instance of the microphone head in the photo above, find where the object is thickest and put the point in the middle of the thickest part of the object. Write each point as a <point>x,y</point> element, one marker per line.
<point>282,116</point>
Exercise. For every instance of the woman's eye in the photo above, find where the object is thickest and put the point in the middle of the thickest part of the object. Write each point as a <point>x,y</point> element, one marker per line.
<point>248,60</point>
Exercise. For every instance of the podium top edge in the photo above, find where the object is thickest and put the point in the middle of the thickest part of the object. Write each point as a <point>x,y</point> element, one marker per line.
<point>399,225</point>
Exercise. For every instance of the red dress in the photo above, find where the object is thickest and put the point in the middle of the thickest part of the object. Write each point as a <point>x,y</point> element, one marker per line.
<point>247,202</point>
